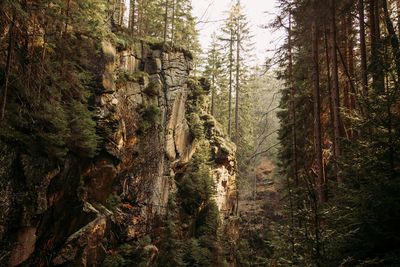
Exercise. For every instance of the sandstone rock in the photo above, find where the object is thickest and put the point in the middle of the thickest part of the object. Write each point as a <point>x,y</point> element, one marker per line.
<point>226,188</point>
<point>135,164</point>
<point>170,146</point>
<point>84,247</point>
<point>152,66</point>
<point>108,50</point>
<point>8,158</point>
<point>137,47</point>
<point>24,247</point>
<point>127,61</point>
<point>101,176</point>
<point>109,54</point>
<point>133,92</point>
<point>183,142</point>
<point>144,81</point>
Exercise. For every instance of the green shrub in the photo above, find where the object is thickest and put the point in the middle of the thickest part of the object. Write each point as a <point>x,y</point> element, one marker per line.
<point>114,261</point>
<point>126,76</point>
<point>83,139</point>
<point>151,115</point>
<point>196,126</point>
<point>196,255</point>
<point>171,245</point>
<point>153,89</point>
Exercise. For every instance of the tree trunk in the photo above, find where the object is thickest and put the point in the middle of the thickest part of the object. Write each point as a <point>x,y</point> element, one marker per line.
<point>378,82</point>
<point>132,11</point>
<point>63,40</point>
<point>394,41</point>
<point>317,115</point>
<point>398,16</point>
<point>346,85</point>
<point>173,21</point>
<point>230,83</point>
<point>335,86</point>
<point>363,49</point>
<point>292,104</point>
<point>165,21</point>
<point>328,74</point>
<point>350,62</point>
<point>140,19</point>
<point>213,88</point>
<point>10,51</point>
<point>122,8</point>
<point>237,84</point>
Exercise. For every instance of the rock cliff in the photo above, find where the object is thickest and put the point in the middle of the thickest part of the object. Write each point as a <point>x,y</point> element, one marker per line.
<point>79,211</point>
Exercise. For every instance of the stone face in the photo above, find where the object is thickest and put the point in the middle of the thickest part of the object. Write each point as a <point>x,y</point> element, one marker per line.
<point>226,188</point>
<point>101,177</point>
<point>59,209</point>
<point>25,246</point>
<point>84,247</point>
<point>109,53</point>
<point>153,66</point>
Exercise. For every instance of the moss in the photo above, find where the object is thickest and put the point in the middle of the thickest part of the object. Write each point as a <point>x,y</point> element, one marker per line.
<point>225,145</point>
<point>114,260</point>
<point>196,125</point>
<point>113,202</point>
<point>120,38</point>
<point>209,120</point>
<point>150,116</point>
<point>153,89</point>
<point>126,76</point>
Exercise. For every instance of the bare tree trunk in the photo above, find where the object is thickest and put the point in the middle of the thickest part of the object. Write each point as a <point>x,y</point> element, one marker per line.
<point>317,115</point>
<point>139,24</point>
<point>363,49</point>
<point>165,21</point>
<point>328,74</point>
<point>335,87</point>
<point>213,95</point>
<point>396,53</point>
<point>237,84</point>
<point>132,11</point>
<point>230,84</point>
<point>122,8</point>
<point>10,51</point>
<point>394,41</point>
<point>398,16</point>
<point>213,84</point>
<point>378,82</point>
<point>173,22</point>
<point>63,40</point>
<point>292,104</point>
<point>346,85</point>
<point>350,50</point>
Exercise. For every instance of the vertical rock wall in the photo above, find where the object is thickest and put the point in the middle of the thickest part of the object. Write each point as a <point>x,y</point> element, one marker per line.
<point>70,213</point>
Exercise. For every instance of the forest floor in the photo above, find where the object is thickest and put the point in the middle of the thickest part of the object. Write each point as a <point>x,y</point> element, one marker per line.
<point>259,206</point>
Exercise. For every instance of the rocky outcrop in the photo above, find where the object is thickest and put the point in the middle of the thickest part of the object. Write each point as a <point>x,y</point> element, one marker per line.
<point>72,213</point>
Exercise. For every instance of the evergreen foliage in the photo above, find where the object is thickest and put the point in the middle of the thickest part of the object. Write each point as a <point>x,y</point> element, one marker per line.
<point>191,237</point>
<point>150,116</point>
<point>357,225</point>
<point>49,79</point>
<point>135,253</point>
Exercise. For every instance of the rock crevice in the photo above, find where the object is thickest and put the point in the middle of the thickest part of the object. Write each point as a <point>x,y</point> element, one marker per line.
<point>71,213</point>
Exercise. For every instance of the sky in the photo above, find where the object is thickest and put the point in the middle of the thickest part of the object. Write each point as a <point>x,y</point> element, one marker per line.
<point>259,12</point>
